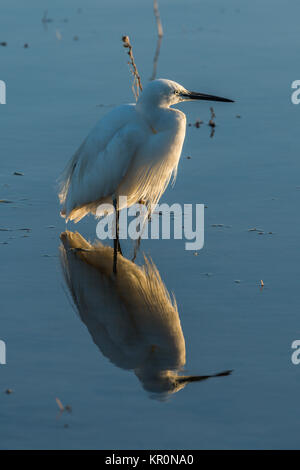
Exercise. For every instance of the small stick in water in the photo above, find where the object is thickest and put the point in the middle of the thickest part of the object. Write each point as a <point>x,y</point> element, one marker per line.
<point>158,21</point>
<point>212,123</point>
<point>160,35</point>
<point>60,405</point>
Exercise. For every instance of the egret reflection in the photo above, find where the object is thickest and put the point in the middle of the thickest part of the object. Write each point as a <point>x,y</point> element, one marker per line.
<point>131,317</point>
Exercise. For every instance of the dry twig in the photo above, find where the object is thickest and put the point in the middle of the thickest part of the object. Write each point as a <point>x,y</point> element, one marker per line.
<point>60,405</point>
<point>136,85</point>
<point>160,35</point>
<point>158,21</point>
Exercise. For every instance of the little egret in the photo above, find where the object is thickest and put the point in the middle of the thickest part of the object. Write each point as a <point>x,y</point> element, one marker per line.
<point>131,317</point>
<point>133,151</point>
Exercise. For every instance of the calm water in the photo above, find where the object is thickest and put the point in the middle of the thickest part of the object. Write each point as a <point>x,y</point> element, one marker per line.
<point>247,175</point>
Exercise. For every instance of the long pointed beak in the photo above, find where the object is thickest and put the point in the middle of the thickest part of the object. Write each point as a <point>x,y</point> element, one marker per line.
<point>192,95</point>
<point>198,378</point>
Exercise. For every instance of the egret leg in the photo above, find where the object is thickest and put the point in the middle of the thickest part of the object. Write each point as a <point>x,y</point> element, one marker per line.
<point>117,246</point>
<point>138,241</point>
<point>136,249</point>
<point>117,233</point>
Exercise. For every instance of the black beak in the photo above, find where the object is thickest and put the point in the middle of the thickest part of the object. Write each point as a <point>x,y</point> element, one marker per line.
<point>198,378</point>
<point>192,95</point>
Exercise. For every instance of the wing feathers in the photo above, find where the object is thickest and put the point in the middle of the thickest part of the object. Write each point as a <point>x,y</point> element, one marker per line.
<point>99,164</point>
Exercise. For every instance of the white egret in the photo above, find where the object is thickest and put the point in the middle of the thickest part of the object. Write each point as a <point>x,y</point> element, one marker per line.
<point>133,151</point>
<point>131,317</point>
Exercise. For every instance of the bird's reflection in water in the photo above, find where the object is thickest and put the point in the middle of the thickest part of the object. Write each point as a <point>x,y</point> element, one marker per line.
<point>130,316</point>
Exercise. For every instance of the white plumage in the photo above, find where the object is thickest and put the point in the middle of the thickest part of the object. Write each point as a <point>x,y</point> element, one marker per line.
<point>133,151</point>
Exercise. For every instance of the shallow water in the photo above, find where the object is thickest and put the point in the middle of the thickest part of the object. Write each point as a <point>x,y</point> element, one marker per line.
<point>247,175</point>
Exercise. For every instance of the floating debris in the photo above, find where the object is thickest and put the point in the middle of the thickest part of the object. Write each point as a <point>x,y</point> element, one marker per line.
<point>45,18</point>
<point>197,124</point>
<point>18,173</point>
<point>5,201</point>
<point>212,117</point>
<point>212,123</point>
<point>8,391</point>
<point>75,38</point>
<point>58,35</point>
<point>237,281</point>
<point>261,283</point>
<point>238,116</point>
<point>63,408</point>
<point>4,229</point>
<point>105,105</point>
<point>60,405</point>
<point>254,229</point>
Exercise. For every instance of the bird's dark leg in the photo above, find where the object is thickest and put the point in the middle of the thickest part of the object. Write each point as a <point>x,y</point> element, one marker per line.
<point>117,230</point>
<point>138,241</point>
<point>117,246</point>
<point>136,249</point>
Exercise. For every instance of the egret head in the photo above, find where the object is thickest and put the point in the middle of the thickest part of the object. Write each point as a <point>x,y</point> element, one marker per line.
<point>164,93</point>
<point>165,383</point>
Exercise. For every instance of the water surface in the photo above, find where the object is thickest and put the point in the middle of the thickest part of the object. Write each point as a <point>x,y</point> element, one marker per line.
<point>247,175</point>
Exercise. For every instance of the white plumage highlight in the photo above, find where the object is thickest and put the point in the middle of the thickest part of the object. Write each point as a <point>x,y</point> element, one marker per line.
<point>133,151</point>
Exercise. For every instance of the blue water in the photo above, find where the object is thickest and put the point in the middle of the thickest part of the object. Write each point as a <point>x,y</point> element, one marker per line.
<point>247,175</point>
